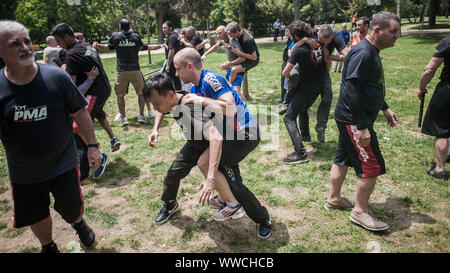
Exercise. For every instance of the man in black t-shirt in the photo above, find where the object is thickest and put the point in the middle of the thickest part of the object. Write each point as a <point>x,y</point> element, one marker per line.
<point>249,50</point>
<point>2,63</point>
<point>127,45</point>
<point>173,46</point>
<point>37,105</point>
<point>193,40</point>
<point>314,64</point>
<point>361,98</point>
<point>80,58</point>
<point>437,117</point>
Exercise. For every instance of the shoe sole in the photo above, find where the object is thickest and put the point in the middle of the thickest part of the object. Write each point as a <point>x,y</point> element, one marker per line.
<point>298,161</point>
<point>335,208</point>
<point>115,147</point>
<point>123,124</point>
<point>265,237</point>
<point>104,168</point>
<point>168,217</point>
<point>366,227</point>
<point>234,217</point>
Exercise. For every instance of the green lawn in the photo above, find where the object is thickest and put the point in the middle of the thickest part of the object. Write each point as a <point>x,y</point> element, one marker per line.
<point>121,206</point>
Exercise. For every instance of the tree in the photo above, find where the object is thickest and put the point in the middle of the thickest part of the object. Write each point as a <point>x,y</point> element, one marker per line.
<point>433,10</point>
<point>399,5</point>
<point>298,4</point>
<point>7,8</point>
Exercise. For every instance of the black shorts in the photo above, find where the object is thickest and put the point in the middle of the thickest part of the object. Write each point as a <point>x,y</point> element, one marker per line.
<point>367,161</point>
<point>32,201</point>
<point>437,118</point>
<point>249,64</point>
<point>95,107</point>
<point>236,149</point>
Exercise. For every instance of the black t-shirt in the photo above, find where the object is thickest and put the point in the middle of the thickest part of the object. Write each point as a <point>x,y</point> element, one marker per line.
<point>312,66</point>
<point>286,50</point>
<point>443,51</point>
<point>247,43</point>
<point>195,41</point>
<point>173,42</point>
<point>80,59</point>
<point>2,63</point>
<point>36,127</point>
<point>362,63</point>
<point>127,46</point>
<point>337,41</point>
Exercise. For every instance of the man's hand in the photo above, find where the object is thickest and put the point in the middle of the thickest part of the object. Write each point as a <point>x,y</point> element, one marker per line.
<point>93,73</point>
<point>207,190</point>
<point>236,51</point>
<point>153,137</point>
<point>95,44</point>
<point>391,117</point>
<point>311,42</point>
<point>225,66</point>
<point>167,68</point>
<point>203,58</point>
<point>421,93</point>
<point>363,137</point>
<point>94,157</point>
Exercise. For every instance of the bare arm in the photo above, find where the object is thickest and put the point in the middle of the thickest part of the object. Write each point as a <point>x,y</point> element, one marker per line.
<point>341,56</point>
<point>428,74</point>
<point>170,56</point>
<point>225,104</point>
<point>154,135</point>
<point>287,70</point>
<point>100,46</point>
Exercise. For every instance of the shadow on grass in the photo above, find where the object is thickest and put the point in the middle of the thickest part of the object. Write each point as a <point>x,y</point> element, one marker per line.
<point>233,235</point>
<point>118,173</point>
<point>428,39</point>
<point>396,212</point>
<point>324,151</point>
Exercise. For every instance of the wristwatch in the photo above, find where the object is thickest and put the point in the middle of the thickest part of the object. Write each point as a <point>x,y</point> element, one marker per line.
<point>96,145</point>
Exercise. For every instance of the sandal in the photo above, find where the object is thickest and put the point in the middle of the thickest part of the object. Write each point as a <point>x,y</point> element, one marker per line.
<point>439,175</point>
<point>344,204</point>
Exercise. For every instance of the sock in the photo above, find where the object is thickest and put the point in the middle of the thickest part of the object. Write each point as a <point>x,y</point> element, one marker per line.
<point>221,200</point>
<point>233,204</point>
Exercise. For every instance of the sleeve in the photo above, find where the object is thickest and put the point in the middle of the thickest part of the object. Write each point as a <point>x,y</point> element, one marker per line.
<point>141,45</point>
<point>358,66</point>
<point>442,48</point>
<point>73,99</point>
<point>215,87</point>
<point>339,43</point>
<point>73,66</point>
<point>353,88</point>
<point>295,56</point>
<point>111,45</point>
<point>172,42</point>
<point>248,46</point>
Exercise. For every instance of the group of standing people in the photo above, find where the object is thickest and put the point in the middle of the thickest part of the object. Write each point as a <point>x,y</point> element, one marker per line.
<point>56,107</point>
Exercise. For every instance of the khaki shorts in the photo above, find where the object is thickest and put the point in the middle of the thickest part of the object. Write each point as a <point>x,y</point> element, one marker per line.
<point>123,81</point>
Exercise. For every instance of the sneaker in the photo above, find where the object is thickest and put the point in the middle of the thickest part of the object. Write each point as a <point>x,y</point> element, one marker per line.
<point>344,204</point>
<point>51,248</point>
<point>86,181</point>
<point>227,212</point>
<point>216,203</point>
<point>448,159</point>
<point>439,175</point>
<point>280,102</point>
<point>124,122</point>
<point>101,169</point>
<point>141,119</point>
<point>165,213</point>
<point>85,233</point>
<point>115,144</point>
<point>306,139</point>
<point>151,114</point>
<point>265,229</point>
<point>296,158</point>
<point>283,109</point>
<point>118,117</point>
<point>368,221</point>
<point>321,135</point>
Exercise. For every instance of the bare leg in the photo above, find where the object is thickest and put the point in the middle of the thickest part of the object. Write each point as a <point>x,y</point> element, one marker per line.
<point>234,71</point>
<point>364,188</point>
<point>141,103</point>
<point>222,184</point>
<point>337,176</point>
<point>441,148</point>
<point>105,124</point>
<point>121,106</point>
<point>43,230</point>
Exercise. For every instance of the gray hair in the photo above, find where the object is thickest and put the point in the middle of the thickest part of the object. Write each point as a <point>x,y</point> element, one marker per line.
<point>49,39</point>
<point>233,27</point>
<point>326,31</point>
<point>383,19</point>
<point>9,26</point>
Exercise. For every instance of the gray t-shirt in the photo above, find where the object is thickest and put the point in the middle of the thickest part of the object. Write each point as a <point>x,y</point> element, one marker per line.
<point>234,43</point>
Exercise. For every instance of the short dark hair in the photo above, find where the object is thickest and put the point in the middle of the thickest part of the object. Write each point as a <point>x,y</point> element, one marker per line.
<point>169,24</point>
<point>124,24</point>
<point>366,21</point>
<point>300,29</point>
<point>160,82</point>
<point>62,29</point>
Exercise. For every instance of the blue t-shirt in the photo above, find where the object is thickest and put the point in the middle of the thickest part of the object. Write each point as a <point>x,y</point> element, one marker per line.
<point>214,85</point>
<point>345,36</point>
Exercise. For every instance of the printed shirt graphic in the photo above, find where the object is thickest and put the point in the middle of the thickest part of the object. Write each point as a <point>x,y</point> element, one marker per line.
<point>311,63</point>
<point>214,85</point>
<point>36,127</point>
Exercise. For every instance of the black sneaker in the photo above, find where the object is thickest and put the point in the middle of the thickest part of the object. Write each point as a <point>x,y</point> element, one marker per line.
<point>51,248</point>
<point>306,139</point>
<point>448,159</point>
<point>321,135</point>
<point>85,233</point>
<point>265,229</point>
<point>165,213</point>
<point>294,158</point>
<point>283,109</point>
<point>115,144</point>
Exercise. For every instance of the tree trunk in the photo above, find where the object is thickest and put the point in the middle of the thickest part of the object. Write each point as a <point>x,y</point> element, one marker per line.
<point>148,32</point>
<point>399,4</point>
<point>434,6</point>
<point>160,19</point>
<point>297,7</point>
<point>242,24</point>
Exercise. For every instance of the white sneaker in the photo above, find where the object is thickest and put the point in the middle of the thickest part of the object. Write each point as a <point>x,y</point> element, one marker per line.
<point>118,117</point>
<point>227,212</point>
<point>151,114</point>
<point>124,122</point>
<point>141,119</point>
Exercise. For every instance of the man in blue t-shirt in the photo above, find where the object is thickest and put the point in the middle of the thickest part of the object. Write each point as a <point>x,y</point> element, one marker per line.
<point>37,106</point>
<point>345,35</point>
<point>239,130</point>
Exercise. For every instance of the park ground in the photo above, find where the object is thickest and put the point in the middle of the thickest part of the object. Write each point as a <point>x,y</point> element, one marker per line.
<point>122,204</point>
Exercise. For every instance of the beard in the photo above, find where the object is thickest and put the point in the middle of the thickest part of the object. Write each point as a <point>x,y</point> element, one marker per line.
<point>28,60</point>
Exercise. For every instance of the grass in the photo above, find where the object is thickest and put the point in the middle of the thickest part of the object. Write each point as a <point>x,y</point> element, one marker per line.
<point>121,206</point>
